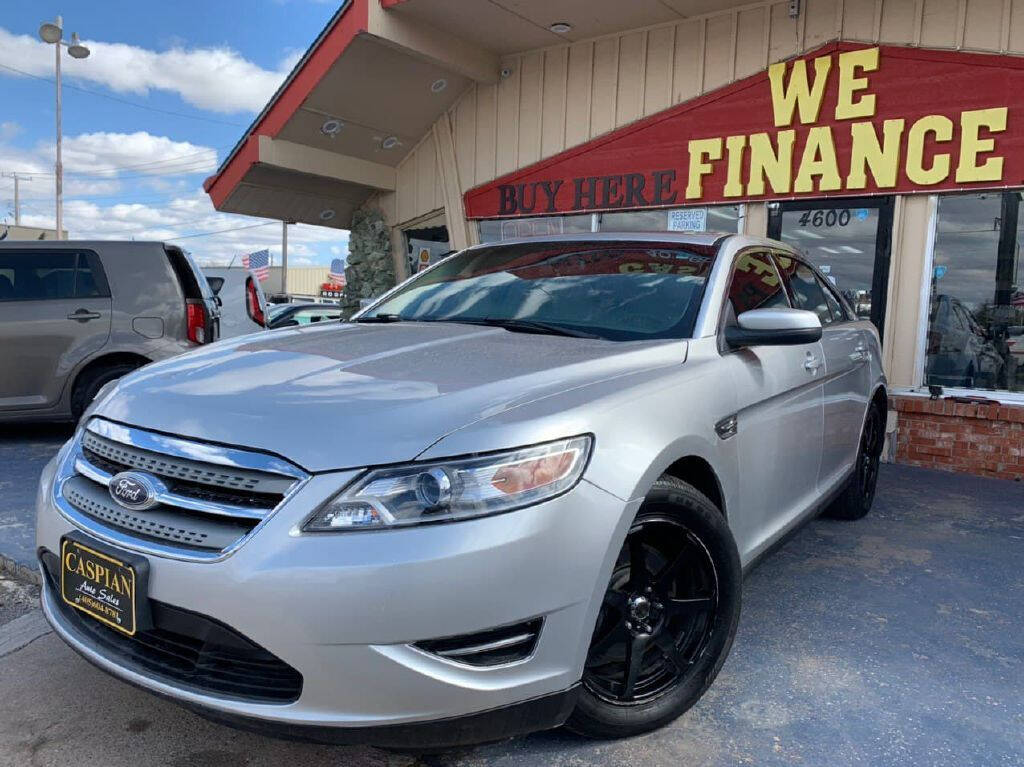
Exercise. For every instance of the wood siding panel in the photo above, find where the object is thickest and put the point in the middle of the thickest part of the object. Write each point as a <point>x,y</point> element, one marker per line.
<point>486,132</point>
<point>464,129</point>
<point>604,88</point>
<point>784,38</point>
<point>688,64</point>
<point>658,71</point>
<point>1017,26</point>
<point>859,19</point>
<point>508,120</point>
<point>983,31</point>
<point>578,90</point>
<point>531,91</point>
<point>405,203</point>
<point>750,40</point>
<point>426,175</point>
<point>899,17</point>
<point>556,65</point>
<point>718,52</point>
<point>938,23</point>
<point>629,99</point>
<point>820,24</point>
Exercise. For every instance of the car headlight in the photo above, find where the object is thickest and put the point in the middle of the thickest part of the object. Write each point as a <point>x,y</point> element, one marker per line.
<point>447,491</point>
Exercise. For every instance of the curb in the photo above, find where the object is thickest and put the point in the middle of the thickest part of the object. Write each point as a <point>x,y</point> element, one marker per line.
<point>19,572</point>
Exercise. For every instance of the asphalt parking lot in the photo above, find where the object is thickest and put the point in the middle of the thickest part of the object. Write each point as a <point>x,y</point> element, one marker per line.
<point>896,640</point>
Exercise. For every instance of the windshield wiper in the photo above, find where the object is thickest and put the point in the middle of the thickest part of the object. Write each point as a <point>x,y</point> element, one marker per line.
<point>381,318</point>
<point>525,326</point>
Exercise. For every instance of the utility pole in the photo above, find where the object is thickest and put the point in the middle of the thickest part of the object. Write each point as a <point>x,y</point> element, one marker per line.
<point>17,200</point>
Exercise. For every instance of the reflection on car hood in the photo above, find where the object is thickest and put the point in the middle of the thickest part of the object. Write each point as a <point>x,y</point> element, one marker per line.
<point>350,395</point>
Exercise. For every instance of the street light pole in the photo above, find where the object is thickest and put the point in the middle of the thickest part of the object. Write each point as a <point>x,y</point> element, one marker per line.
<point>53,33</point>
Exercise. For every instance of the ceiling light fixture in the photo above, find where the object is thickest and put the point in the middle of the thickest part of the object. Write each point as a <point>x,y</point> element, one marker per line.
<point>561,27</point>
<point>390,142</point>
<point>331,127</point>
<point>438,85</point>
<point>327,214</point>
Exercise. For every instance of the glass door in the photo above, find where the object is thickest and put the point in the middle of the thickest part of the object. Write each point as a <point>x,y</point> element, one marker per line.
<point>848,239</point>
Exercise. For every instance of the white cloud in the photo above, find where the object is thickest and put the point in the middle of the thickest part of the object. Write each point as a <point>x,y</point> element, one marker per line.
<point>216,79</point>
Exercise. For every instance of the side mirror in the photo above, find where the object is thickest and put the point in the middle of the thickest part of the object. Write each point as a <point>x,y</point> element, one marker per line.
<point>774,327</point>
<point>216,283</point>
<point>218,300</point>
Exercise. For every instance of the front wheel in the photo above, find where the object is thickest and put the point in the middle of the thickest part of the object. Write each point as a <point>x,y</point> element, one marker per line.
<point>668,618</point>
<point>858,495</point>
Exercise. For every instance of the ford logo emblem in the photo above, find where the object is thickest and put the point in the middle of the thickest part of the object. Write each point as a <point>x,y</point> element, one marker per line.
<point>134,490</point>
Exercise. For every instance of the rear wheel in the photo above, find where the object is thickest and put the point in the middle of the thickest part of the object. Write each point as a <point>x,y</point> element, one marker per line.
<point>859,493</point>
<point>90,382</point>
<point>668,617</point>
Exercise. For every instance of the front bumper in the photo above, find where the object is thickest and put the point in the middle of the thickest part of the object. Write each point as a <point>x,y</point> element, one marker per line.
<point>345,609</point>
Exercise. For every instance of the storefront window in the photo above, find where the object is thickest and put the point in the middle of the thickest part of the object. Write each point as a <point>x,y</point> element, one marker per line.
<point>717,218</point>
<point>499,230</point>
<point>975,334</point>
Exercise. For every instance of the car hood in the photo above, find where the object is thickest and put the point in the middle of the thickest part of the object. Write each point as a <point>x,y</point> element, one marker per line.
<point>351,395</point>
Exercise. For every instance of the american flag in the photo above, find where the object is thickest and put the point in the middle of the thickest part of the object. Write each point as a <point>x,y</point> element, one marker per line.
<point>259,263</point>
<point>337,273</point>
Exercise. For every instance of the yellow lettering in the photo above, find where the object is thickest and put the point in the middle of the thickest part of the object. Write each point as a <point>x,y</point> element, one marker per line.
<point>942,128</point>
<point>865,60</point>
<point>971,121</point>
<point>69,558</point>
<point>701,151</point>
<point>766,162</point>
<point>734,146</point>
<point>800,94</point>
<point>883,158</point>
<point>819,159</point>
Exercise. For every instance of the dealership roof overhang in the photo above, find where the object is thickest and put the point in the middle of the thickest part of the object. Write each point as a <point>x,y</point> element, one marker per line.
<point>374,82</point>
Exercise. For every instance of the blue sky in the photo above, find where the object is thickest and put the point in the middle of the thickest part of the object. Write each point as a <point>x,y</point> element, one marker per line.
<point>134,172</point>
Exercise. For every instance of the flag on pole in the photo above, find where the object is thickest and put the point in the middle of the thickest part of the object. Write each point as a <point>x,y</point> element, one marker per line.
<point>337,272</point>
<point>258,263</point>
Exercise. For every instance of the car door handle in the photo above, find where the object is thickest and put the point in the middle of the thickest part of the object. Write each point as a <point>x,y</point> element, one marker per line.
<point>84,315</point>
<point>812,363</point>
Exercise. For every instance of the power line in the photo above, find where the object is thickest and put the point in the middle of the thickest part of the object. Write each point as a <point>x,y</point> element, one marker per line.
<point>124,101</point>
<point>189,236</point>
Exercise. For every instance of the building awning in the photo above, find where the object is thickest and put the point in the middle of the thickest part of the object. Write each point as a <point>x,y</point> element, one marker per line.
<point>377,78</point>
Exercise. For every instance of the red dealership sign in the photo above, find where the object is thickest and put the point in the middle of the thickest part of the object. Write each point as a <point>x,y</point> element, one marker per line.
<point>844,120</point>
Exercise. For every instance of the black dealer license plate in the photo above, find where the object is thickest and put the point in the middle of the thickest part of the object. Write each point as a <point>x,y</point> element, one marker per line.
<point>104,584</point>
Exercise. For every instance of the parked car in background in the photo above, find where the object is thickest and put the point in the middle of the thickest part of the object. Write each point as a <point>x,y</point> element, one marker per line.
<point>519,490</point>
<point>959,351</point>
<point>243,304</point>
<point>75,315</point>
<point>289,315</point>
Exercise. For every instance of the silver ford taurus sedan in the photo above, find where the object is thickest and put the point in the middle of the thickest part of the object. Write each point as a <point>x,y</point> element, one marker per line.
<point>518,491</point>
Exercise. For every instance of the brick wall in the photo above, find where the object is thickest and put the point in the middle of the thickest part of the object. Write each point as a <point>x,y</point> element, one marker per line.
<point>976,438</point>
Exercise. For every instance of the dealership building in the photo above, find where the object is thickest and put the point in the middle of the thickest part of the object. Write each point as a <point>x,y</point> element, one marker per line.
<point>884,138</point>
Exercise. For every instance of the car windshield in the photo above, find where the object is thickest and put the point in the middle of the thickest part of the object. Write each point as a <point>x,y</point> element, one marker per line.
<point>618,291</point>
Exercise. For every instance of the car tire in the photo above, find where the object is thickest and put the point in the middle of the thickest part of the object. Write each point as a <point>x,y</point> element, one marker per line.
<point>855,500</point>
<point>674,616</point>
<point>89,384</point>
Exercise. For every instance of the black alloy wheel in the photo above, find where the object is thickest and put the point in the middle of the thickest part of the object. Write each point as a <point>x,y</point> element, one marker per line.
<point>657,614</point>
<point>667,619</point>
<point>859,494</point>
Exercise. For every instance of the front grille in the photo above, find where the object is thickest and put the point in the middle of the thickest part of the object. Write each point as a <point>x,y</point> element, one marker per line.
<point>186,649</point>
<point>494,647</point>
<point>210,497</point>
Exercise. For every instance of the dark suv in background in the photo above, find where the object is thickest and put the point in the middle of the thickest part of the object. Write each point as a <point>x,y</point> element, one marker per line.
<point>75,315</point>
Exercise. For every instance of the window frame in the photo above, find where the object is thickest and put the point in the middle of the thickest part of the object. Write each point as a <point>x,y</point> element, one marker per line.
<point>849,316</point>
<point>723,347</point>
<point>92,262</point>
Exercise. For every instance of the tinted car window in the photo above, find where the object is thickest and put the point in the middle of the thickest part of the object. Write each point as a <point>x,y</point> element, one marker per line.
<point>756,284</point>
<point>40,276</point>
<point>808,292</point>
<point>615,290</point>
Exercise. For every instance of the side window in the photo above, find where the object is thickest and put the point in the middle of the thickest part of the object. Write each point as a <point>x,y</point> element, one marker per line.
<point>755,285</point>
<point>41,275</point>
<point>808,292</point>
